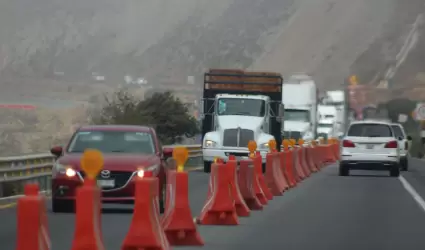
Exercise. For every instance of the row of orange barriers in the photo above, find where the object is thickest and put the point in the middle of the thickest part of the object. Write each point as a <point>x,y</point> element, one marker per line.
<point>236,189</point>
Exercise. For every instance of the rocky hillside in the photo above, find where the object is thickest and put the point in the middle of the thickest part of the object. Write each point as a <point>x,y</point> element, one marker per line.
<point>50,50</point>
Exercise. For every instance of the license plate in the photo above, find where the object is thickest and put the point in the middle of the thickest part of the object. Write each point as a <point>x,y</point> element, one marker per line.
<point>106,183</point>
<point>370,146</point>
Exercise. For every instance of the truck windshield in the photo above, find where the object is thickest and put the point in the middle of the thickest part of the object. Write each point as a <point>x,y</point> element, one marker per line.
<point>325,125</point>
<point>241,106</point>
<point>112,142</point>
<point>297,115</point>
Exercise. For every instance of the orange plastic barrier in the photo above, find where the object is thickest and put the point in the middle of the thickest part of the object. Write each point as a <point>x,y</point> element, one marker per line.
<point>310,159</point>
<point>32,230</point>
<point>87,233</point>
<point>273,174</point>
<point>297,164</point>
<point>145,230</point>
<point>258,167</point>
<point>301,158</point>
<point>242,208</point>
<point>289,166</point>
<point>219,209</point>
<point>247,181</point>
<point>177,220</point>
<point>284,171</point>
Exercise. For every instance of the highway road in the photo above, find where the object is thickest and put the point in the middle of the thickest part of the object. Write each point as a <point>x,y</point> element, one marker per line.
<point>368,210</point>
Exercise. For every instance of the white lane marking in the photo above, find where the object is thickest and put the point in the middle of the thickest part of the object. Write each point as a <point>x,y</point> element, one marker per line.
<point>412,192</point>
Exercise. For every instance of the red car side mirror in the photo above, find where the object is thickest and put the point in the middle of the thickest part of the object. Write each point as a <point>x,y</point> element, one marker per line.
<point>56,151</point>
<point>167,153</point>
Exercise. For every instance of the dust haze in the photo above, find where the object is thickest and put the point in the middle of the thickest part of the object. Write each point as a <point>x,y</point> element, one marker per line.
<point>50,50</point>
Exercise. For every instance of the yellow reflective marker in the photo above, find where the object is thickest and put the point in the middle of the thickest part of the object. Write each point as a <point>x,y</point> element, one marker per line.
<point>300,142</point>
<point>180,155</point>
<point>353,80</point>
<point>252,146</point>
<point>92,163</point>
<point>292,142</point>
<point>272,145</point>
<point>285,144</point>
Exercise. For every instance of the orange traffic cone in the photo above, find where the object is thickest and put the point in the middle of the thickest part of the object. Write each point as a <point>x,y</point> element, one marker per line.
<point>247,180</point>
<point>145,230</point>
<point>242,208</point>
<point>177,221</point>
<point>87,234</point>
<point>219,208</point>
<point>32,232</point>
<point>272,174</point>
<point>258,166</point>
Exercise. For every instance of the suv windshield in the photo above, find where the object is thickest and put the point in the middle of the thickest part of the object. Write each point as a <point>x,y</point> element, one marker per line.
<point>241,106</point>
<point>297,115</point>
<point>370,130</point>
<point>397,131</point>
<point>112,142</point>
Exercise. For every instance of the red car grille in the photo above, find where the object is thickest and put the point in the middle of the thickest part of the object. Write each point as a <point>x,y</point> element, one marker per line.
<point>120,177</point>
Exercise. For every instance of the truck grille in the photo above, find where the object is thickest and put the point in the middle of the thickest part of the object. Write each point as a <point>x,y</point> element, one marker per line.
<point>230,137</point>
<point>120,177</point>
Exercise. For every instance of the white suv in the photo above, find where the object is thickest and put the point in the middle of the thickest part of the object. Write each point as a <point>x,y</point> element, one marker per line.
<point>370,145</point>
<point>404,143</point>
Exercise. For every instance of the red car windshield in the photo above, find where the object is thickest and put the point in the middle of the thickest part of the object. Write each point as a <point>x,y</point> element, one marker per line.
<point>112,142</point>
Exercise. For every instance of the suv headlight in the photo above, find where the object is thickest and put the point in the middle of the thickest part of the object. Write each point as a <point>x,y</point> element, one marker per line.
<point>210,144</point>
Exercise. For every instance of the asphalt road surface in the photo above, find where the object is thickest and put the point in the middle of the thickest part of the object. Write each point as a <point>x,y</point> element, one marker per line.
<point>367,210</point>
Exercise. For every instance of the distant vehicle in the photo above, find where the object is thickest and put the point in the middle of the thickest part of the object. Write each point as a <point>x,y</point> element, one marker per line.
<point>404,143</point>
<point>370,145</point>
<point>128,151</point>
<point>300,98</point>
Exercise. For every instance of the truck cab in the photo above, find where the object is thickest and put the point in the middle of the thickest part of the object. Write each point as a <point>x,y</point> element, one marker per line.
<point>300,98</point>
<point>238,107</point>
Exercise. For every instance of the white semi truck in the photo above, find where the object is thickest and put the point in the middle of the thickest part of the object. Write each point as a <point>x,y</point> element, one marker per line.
<point>300,98</point>
<point>239,106</point>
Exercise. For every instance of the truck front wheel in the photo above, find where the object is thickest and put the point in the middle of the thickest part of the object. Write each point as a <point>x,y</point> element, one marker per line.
<point>207,166</point>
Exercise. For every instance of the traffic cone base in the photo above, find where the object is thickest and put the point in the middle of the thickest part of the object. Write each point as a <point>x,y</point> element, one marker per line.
<point>145,230</point>
<point>242,208</point>
<point>272,174</point>
<point>177,222</point>
<point>87,234</point>
<point>258,166</point>
<point>247,181</point>
<point>219,209</point>
<point>32,231</point>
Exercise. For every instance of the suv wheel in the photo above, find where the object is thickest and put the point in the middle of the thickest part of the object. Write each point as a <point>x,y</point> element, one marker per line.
<point>395,171</point>
<point>207,167</point>
<point>404,164</point>
<point>343,170</point>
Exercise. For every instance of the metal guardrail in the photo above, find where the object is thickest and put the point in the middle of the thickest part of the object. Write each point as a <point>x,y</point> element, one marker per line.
<point>16,171</point>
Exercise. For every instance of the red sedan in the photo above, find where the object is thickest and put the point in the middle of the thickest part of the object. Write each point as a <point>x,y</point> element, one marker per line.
<point>128,151</point>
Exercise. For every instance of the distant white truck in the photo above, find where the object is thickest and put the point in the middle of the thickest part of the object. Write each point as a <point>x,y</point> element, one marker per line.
<point>327,126</point>
<point>336,98</point>
<point>300,99</point>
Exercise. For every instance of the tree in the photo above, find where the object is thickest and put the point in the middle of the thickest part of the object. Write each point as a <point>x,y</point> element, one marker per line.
<point>166,113</point>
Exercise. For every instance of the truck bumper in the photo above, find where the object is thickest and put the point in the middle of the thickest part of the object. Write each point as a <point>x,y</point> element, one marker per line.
<point>210,154</point>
